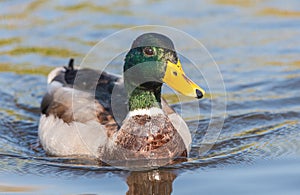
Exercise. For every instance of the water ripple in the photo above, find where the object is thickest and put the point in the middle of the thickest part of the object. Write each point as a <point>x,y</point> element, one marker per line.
<point>260,70</point>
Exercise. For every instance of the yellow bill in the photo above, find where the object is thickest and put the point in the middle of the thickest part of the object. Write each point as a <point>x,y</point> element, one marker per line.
<point>175,78</point>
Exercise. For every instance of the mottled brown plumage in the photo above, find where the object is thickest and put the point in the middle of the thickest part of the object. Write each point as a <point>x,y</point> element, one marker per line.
<point>146,137</point>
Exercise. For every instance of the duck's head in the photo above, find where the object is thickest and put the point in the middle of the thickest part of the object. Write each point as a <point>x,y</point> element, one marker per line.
<point>151,61</point>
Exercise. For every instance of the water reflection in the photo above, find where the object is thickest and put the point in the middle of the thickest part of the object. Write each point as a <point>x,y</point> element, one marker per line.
<point>150,182</point>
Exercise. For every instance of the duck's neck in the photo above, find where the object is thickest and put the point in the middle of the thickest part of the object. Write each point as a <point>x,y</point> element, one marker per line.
<point>142,98</point>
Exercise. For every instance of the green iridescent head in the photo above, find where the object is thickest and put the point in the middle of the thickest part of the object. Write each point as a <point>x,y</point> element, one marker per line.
<point>151,61</point>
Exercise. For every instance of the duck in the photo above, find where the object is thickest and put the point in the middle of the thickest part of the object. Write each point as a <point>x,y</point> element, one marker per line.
<point>119,119</point>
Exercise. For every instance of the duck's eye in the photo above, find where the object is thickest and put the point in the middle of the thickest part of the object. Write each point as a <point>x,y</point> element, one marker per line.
<point>148,51</point>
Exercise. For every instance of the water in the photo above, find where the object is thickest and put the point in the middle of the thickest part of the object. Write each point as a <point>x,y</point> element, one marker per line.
<point>255,44</point>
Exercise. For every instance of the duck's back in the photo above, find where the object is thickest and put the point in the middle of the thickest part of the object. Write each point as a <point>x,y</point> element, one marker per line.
<point>76,111</point>
<point>83,85</point>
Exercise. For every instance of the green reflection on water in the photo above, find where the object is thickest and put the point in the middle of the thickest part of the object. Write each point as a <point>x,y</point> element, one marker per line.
<point>25,69</point>
<point>279,12</point>
<point>244,3</point>
<point>94,8</point>
<point>9,41</point>
<point>45,51</point>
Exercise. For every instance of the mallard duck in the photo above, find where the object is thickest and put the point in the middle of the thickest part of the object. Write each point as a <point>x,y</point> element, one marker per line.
<point>133,123</point>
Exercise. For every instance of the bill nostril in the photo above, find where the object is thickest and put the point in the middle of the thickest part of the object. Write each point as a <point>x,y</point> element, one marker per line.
<point>199,94</point>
